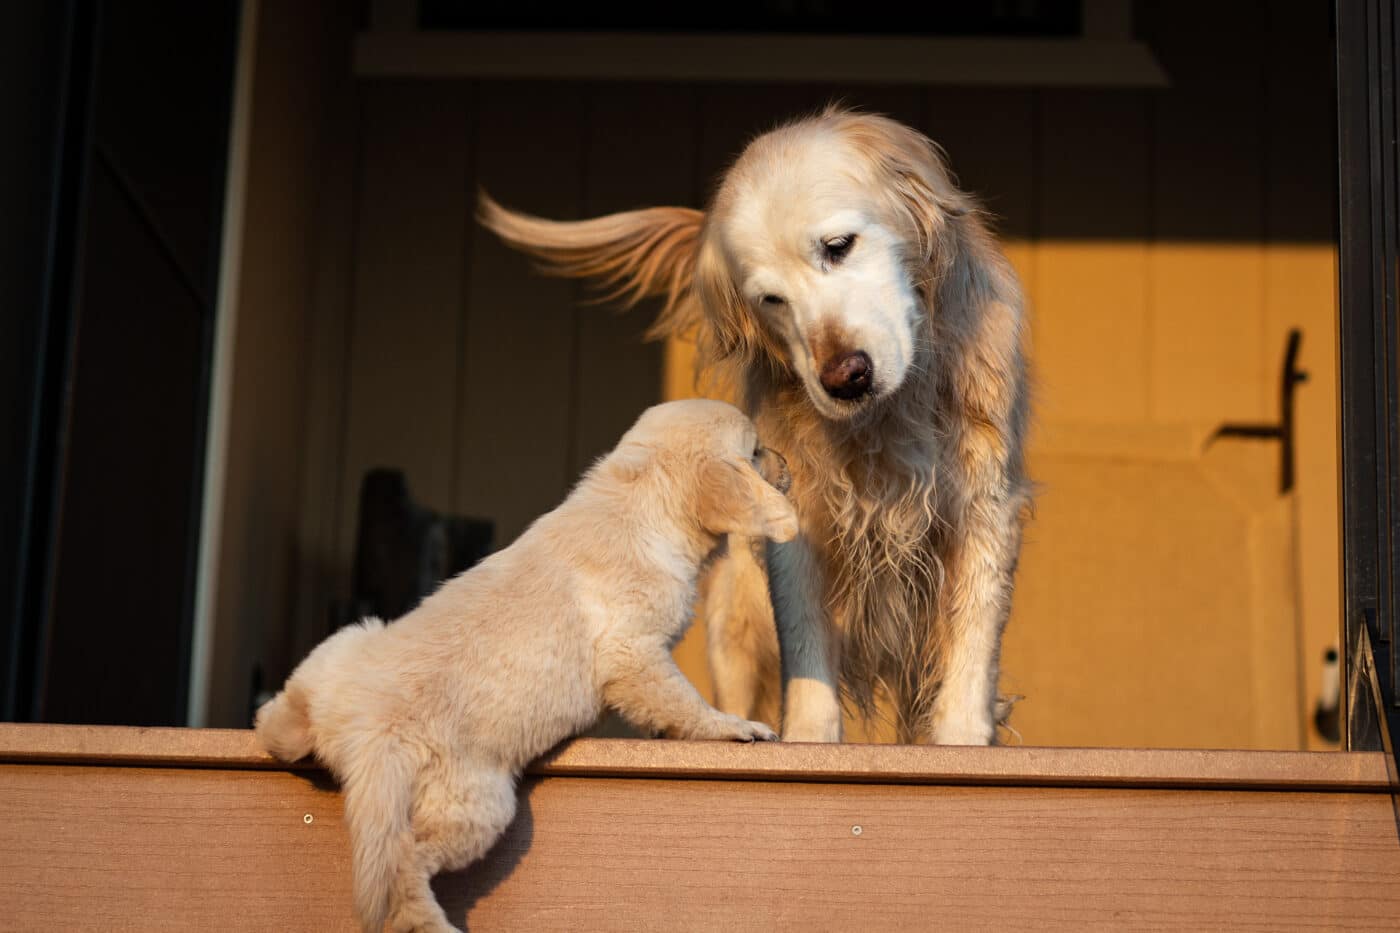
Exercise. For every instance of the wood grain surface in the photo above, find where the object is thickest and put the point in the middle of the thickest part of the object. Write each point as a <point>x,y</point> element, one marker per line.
<point>117,848</point>
<point>1367,772</point>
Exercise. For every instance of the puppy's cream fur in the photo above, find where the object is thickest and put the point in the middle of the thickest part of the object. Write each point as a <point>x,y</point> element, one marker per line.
<point>911,497</point>
<point>429,721</point>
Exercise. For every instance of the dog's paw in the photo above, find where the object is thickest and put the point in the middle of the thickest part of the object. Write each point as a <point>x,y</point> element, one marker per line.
<point>823,729</point>
<point>963,730</point>
<point>724,727</point>
<point>813,712</point>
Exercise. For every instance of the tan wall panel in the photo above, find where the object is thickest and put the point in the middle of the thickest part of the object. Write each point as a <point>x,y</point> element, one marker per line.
<point>628,164</point>
<point>1133,620</point>
<point>989,136</point>
<point>517,350</point>
<point>324,570</point>
<point>1090,318</point>
<point>1089,330</point>
<point>1300,283</point>
<point>1209,359</point>
<point>260,548</point>
<point>413,210</point>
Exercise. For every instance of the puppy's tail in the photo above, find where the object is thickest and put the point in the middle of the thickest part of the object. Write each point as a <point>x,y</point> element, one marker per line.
<point>378,801</point>
<point>283,726</point>
<point>632,255</point>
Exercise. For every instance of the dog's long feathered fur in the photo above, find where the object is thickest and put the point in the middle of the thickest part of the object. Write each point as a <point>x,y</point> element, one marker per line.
<point>915,506</point>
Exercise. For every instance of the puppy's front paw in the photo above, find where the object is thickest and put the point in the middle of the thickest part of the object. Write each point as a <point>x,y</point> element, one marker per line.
<point>724,727</point>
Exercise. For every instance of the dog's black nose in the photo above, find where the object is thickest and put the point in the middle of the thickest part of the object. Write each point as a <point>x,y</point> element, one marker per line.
<point>848,376</point>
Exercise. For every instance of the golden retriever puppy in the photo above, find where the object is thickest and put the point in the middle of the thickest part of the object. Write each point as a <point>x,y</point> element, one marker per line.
<point>429,721</point>
<point>856,298</point>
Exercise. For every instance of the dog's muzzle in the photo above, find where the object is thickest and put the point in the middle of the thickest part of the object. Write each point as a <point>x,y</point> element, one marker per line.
<point>773,467</point>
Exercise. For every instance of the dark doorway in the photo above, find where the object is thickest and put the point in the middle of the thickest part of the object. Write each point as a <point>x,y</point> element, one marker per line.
<point>130,139</point>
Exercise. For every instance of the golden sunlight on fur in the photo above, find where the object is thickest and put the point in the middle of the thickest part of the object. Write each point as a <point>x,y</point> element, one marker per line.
<point>873,326</point>
<point>428,722</point>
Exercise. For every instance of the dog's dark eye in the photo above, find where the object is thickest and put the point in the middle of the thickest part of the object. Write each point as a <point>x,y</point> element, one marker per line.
<point>771,300</point>
<point>837,247</point>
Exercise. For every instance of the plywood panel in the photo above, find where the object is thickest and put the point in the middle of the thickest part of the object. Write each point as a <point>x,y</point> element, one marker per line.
<point>517,349</point>
<point>411,228</point>
<point>1092,349</point>
<point>103,848</point>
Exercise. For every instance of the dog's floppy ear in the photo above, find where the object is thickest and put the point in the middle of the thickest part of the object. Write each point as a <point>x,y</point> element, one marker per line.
<point>734,499</point>
<point>632,255</point>
<point>732,331</point>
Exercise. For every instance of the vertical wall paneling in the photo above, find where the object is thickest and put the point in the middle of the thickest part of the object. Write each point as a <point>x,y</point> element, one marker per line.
<point>407,290</point>
<point>1206,274</point>
<point>989,136</point>
<point>629,164</point>
<point>516,355</point>
<point>1092,346</point>
<point>324,573</point>
<point>1300,290</point>
<point>283,449</point>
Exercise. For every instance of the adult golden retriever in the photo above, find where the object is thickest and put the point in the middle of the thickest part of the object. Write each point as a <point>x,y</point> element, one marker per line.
<point>873,327</point>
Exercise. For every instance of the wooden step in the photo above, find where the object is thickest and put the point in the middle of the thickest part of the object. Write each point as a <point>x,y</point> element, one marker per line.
<point>117,828</point>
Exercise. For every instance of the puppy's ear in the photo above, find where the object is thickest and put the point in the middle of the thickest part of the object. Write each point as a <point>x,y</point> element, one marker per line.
<point>734,499</point>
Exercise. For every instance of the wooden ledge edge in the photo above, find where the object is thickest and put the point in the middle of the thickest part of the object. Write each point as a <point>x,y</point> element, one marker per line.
<point>1015,766</point>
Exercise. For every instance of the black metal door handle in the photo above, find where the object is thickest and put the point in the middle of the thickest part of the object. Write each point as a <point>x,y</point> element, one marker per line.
<point>1283,431</point>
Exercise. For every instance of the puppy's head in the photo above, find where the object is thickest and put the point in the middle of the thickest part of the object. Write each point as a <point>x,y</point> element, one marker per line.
<point>711,450</point>
<point>821,250</point>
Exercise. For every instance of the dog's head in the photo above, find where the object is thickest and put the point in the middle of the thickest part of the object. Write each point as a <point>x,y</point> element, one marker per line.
<point>713,459</point>
<point>820,255</point>
<point>821,249</point>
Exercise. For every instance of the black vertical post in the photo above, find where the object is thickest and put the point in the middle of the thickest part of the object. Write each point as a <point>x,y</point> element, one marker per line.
<point>1370,391</point>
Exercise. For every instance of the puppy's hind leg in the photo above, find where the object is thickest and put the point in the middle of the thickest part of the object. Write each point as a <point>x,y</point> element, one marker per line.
<point>459,811</point>
<point>741,634</point>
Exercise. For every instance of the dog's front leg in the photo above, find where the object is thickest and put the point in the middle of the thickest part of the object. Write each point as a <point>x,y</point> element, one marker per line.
<point>742,639</point>
<point>977,608</point>
<point>641,681</point>
<point>807,643</point>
